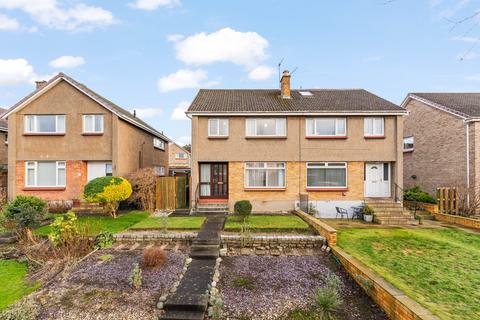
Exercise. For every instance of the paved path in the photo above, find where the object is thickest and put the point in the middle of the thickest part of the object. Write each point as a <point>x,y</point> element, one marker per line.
<point>190,301</point>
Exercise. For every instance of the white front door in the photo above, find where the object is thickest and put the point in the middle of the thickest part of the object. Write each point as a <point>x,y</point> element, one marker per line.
<point>377,179</point>
<point>97,169</point>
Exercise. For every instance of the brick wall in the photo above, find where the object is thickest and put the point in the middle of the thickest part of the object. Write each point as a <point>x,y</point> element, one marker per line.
<point>463,221</point>
<point>284,199</point>
<point>76,172</point>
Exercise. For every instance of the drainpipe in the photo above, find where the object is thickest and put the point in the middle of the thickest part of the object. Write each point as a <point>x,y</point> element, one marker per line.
<point>467,124</point>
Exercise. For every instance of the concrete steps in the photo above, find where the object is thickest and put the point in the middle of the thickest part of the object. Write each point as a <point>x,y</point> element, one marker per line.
<point>389,212</point>
<point>211,208</point>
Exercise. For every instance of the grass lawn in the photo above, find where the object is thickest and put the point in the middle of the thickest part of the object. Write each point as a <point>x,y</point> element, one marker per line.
<point>187,223</point>
<point>96,224</point>
<point>13,285</point>
<point>439,268</point>
<point>260,223</point>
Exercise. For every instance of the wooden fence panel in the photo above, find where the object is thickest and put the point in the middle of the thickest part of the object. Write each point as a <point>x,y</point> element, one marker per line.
<point>181,191</point>
<point>448,200</point>
<point>171,193</point>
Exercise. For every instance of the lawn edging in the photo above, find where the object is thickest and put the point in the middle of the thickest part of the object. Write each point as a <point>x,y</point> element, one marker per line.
<point>463,221</point>
<point>392,300</point>
<point>322,228</point>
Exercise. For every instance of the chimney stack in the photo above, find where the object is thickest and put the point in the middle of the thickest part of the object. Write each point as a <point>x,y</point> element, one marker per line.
<point>285,85</point>
<point>40,84</point>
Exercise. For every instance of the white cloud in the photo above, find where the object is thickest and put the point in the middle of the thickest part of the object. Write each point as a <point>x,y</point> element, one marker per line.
<point>8,24</point>
<point>261,72</point>
<point>183,140</point>
<point>67,62</point>
<point>145,113</point>
<point>151,5</point>
<point>225,45</point>
<point>175,37</point>
<point>17,71</point>
<point>179,111</point>
<point>184,78</point>
<point>59,15</point>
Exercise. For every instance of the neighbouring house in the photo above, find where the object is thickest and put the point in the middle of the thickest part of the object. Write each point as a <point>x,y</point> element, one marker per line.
<point>441,141</point>
<point>64,134</point>
<point>3,157</point>
<point>178,160</point>
<point>277,148</point>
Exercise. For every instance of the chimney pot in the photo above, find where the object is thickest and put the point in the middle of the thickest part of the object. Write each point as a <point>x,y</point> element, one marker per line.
<point>285,85</point>
<point>40,84</point>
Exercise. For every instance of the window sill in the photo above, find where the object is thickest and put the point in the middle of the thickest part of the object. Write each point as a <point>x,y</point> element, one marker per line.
<point>408,150</point>
<point>44,134</point>
<point>326,137</point>
<point>218,138</point>
<point>328,189</point>
<point>264,189</point>
<point>266,137</point>
<point>43,188</point>
<point>92,134</point>
<point>374,137</point>
<point>158,148</point>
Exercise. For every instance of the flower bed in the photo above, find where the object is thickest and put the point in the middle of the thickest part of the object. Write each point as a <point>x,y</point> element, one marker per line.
<point>254,287</point>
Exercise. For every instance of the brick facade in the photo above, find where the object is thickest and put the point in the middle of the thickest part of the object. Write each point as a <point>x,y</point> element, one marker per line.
<point>76,175</point>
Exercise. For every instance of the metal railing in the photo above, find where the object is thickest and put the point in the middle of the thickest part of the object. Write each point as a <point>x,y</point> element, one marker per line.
<point>397,192</point>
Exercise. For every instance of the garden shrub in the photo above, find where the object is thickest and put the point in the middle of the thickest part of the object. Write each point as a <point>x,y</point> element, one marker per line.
<point>243,282</point>
<point>327,299</point>
<point>153,257</point>
<point>143,183</point>
<point>26,211</point>
<point>135,277</point>
<point>64,228</point>
<point>417,194</point>
<point>104,240</point>
<point>367,210</point>
<point>243,209</point>
<point>109,191</point>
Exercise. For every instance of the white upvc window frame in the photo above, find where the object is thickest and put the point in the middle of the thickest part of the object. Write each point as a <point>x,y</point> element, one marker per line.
<point>33,165</point>
<point>217,132</point>
<point>159,170</point>
<point>327,165</point>
<point>265,167</point>
<point>374,133</point>
<point>314,122</point>
<point>181,155</point>
<point>158,143</point>
<point>93,117</point>
<point>35,123</point>
<point>255,133</point>
<point>412,143</point>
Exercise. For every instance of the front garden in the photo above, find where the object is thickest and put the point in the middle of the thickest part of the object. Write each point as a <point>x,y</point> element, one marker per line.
<point>268,224</point>
<point>14,284</point>
<point>439,268</point>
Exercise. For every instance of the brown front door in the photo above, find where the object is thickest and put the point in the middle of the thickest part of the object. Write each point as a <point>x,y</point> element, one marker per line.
<point>214,180</point>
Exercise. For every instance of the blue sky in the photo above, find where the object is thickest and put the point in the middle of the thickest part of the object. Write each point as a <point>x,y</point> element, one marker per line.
<point>153,55</point>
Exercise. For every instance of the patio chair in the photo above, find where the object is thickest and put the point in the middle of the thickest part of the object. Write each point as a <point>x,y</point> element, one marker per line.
<point>342,212</point>
<point>357,212</point>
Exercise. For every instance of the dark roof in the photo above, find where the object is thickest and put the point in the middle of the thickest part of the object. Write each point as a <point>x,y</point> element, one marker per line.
<point>465,104</point>
<point>269,100</point>
<point>126,115</point>
<point>3,122</point>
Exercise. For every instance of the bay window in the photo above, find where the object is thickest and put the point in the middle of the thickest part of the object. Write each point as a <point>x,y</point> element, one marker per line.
<point>374,127</point>
<point>45,173</point>
<point>52,124</point>
<point>327,175</point>
<point>218,127</point>
<point>320,127</point>
<point>266,127</point>
<point>93,123</point>
<point>265,174</point>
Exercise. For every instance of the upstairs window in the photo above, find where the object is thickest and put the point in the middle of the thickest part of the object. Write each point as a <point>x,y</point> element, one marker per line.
<point>159,143</point>
<point>327,127</point>
<point>45,124</point>
<point>374,127</point>
<point>181,156</point>
<point>45,174</point>
<point>218,127</point>
<point>93,123</point>
<point>266,127</point>
<point>408,144</point>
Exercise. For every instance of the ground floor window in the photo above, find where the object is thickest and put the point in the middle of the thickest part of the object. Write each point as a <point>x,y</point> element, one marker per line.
<point>159,170</point>
<point>326,175</point>
<point>45,173</point>
<point>265,174</point>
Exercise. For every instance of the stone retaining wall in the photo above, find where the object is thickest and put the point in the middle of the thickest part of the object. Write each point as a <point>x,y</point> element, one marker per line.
<point>323,229</point>
<point>273,241</point>
<point>156,236</point>
<point>463,221</point>
<point>393,301</point>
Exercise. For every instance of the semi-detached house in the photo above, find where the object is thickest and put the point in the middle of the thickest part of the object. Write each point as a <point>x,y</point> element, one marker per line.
<point>64,134</point>
<point>275,147</point>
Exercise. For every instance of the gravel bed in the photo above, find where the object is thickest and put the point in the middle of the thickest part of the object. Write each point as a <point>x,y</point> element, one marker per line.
<point>277,285</point>
<point>100,290</point>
